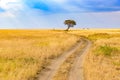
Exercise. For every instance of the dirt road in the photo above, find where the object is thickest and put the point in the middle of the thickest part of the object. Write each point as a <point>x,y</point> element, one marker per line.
<point>76,72</point>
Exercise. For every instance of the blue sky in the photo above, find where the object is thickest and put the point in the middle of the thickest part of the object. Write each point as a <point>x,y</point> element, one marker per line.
<point>44,14</point>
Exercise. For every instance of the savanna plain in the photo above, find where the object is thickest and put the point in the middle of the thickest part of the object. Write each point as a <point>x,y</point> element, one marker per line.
<point>26,53</point>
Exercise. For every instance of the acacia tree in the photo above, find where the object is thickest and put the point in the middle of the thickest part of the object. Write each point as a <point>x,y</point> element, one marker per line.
<point>69,23</point>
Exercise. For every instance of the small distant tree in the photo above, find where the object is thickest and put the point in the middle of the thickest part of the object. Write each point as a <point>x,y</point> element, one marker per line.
<point>69,23</point>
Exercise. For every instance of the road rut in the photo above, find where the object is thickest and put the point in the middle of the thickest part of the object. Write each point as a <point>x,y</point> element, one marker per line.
<point>53,68</point>
<point>76,72</point>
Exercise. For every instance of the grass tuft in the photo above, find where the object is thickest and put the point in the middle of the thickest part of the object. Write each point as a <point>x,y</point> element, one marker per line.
<point>105,50</point>
<point>97,36</point>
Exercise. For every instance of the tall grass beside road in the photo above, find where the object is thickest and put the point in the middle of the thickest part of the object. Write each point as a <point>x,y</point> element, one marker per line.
<point>24,53</point>
<point>103,60</point>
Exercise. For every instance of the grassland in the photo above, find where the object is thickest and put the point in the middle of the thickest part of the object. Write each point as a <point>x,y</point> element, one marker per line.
<point>103,60</point>
<point>24,53</point>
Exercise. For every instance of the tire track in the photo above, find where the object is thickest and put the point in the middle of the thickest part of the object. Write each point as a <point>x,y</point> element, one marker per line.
<point>51,70</point>
<point>76,72</point>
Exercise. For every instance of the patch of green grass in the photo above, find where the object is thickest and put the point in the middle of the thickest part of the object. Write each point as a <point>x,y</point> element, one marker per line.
<point>116,63</point>
<point>105,50</point>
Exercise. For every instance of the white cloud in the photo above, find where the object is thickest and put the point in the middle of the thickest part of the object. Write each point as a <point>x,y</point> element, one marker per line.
<point>10,7</point>
<point>7,14</point>
<point>8,4</point>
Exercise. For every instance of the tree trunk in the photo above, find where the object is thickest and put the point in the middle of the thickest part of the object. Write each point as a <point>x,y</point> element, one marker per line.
<point>68,28</point>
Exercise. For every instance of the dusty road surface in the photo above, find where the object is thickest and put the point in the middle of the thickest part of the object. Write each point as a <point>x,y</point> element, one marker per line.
<point>76,72</point>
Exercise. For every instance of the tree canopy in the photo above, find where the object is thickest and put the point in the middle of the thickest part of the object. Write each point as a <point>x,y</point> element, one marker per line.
<point>69,23</point>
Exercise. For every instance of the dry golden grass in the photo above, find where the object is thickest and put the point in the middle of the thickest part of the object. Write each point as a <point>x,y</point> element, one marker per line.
<point>25,52</point>
<point>92,32</point>
<point>103,61</point>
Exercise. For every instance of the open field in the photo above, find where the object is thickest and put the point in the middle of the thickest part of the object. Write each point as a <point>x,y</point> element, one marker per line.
<point>25,53</point>
<point>103,60</point>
